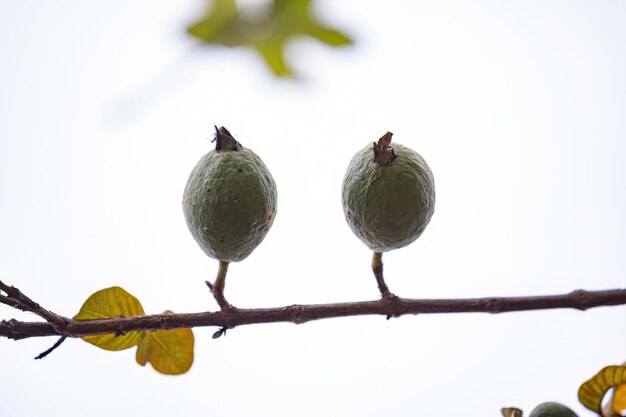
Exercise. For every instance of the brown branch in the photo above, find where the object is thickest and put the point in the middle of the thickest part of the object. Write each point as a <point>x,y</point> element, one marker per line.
<point>390,307</point>
<point>16,299</point>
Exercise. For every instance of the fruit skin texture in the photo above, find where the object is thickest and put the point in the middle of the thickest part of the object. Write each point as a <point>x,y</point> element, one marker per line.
<point>552,409</point>
<point>230,202</point>
<point>388,204</point>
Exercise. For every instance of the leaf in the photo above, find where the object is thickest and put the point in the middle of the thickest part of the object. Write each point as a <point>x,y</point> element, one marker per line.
<point>109,303</point>
<point>619,399</point>
<point>169,351</point>
<point>511,412</point>
<point>590,393</point>
<point>272,52</point>
<point>266,30</point>
<point>329,36</point>
<point>219,24</point>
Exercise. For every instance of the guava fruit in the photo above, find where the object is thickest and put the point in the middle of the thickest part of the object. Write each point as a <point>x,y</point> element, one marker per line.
<point>230,200</point>
<point>388,195</point>
<point>552,409</point>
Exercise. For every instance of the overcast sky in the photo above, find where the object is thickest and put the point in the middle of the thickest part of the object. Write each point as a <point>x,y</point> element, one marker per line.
<point>518,107</point>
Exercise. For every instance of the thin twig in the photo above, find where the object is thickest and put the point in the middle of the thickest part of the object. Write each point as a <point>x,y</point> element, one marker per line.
<point>579,299</point>
<point>49,351</point>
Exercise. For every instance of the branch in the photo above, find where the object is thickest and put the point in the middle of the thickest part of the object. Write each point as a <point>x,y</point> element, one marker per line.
<point>229,318</point>
<point>16,299</point>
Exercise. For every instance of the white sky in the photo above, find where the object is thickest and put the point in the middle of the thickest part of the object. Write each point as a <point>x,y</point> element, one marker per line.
<point>518,107</point>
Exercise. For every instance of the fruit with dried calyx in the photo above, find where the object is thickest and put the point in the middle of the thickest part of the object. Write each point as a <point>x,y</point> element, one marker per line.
<point>388,198</point>
<point>229,204</point>
<point>552,409</point>
<point>388,195</point>
<point>230,200</point>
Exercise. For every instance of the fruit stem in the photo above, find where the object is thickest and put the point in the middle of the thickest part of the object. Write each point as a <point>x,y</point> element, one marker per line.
<point>377,267</point>
<point>217,288</point>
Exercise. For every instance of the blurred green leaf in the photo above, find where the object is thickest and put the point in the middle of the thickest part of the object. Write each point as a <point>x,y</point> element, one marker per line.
<point>265,30</point>
<point>272,52</point>
<point>329,36</point>
<point>169,351</point>
<point>219,25</point>
<point>109,303</point>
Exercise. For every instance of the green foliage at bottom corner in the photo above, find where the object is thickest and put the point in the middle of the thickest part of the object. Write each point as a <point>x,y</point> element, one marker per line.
<point>591,393</point>
<point>552,409</point>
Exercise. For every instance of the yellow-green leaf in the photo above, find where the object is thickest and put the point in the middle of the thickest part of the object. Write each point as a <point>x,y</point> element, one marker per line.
<point>109,303</point>
<point>272,52</point>
<point>511,412</point>
<point>590,393</point>
<point>266,30</point>
<point>619,399</point>
<point>219,25</point>
<point>329,36</point>
<point>169,351</point>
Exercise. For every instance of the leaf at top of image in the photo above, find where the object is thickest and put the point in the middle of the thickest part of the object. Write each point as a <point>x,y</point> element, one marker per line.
<point>109,303</point>
<point>219,25</point>
<point>264,28</point>
<point>169,351</point>
<point>591,393</point>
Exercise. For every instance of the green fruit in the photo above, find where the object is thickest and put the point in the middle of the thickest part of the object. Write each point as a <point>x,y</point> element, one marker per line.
<point>388,195</point>
<point>230,200</point>
<point>551,409</point>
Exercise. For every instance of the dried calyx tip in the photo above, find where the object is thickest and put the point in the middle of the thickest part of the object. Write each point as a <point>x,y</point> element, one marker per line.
<point>383,152</point>
<point>385,140</point>
<point>224,141</point>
